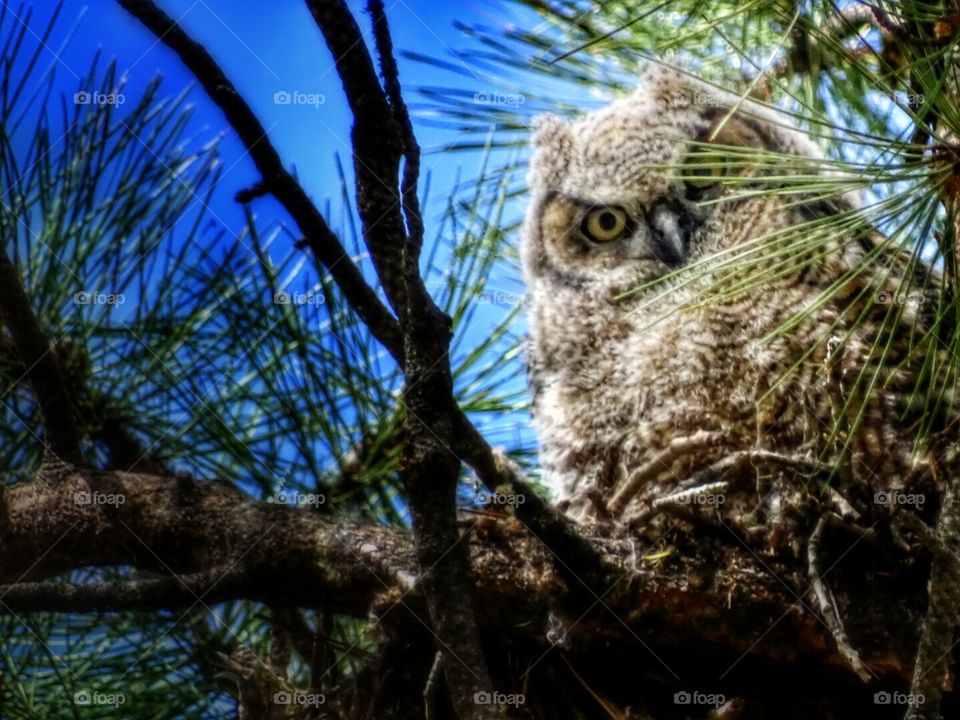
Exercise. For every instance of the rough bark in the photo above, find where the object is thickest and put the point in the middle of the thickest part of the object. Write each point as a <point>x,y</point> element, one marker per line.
<point>693,606</point>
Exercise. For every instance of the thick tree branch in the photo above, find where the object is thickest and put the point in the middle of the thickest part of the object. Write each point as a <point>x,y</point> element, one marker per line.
<point>209,543</point>
<point>381,137</point>
<point>40,360</point>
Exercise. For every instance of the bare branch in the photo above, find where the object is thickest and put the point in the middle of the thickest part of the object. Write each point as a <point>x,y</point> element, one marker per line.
<point>411,150</point>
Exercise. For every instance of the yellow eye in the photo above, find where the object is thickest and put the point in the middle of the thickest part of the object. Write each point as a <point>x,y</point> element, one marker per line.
<point>703,168</point>
<point>605,224</point>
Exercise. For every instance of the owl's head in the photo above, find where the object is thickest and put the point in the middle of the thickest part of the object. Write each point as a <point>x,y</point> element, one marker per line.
<point>623,195</point>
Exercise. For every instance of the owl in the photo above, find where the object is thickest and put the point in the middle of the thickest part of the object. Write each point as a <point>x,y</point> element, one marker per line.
<point>690,297</point>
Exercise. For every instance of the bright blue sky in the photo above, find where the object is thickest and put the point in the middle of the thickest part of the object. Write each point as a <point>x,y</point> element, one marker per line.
<point>274,48</point>
<point>267,48</point>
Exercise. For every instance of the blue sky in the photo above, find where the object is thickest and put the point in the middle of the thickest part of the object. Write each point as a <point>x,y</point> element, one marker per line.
<point>267,49</point>
<point>276,57</point>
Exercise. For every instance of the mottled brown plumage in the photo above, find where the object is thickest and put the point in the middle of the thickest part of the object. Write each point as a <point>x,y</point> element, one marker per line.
<point>823,359</point>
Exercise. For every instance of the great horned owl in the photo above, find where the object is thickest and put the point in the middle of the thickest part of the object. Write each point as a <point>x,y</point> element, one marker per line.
<point>786,334</point>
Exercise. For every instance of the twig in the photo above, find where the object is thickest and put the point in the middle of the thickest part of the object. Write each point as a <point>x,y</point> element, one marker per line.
<point>430,689</point>
<point>411,149</point>
<point>678,448</point>
<point>826,602</point>
<point>214,585</point>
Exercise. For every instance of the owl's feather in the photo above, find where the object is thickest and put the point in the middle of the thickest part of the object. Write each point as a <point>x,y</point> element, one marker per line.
<point>791,349</point>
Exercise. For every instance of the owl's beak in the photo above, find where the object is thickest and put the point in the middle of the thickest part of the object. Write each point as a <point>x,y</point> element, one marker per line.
<point>670,231</point>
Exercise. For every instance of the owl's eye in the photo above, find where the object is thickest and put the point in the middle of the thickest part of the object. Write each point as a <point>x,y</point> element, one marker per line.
<point>605,224</point>
<point>703,168</point>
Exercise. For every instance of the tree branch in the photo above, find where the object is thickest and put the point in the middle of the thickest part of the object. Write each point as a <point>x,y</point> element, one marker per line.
<point>429,469</point>
<point>284,187</point>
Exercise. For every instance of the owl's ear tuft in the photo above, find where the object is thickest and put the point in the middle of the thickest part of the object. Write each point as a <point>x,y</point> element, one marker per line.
<point>552,140</point>
<point>550,131</point>
<point>667,86</point>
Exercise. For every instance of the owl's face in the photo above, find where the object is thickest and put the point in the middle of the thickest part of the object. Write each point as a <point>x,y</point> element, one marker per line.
<point>626,194</point>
